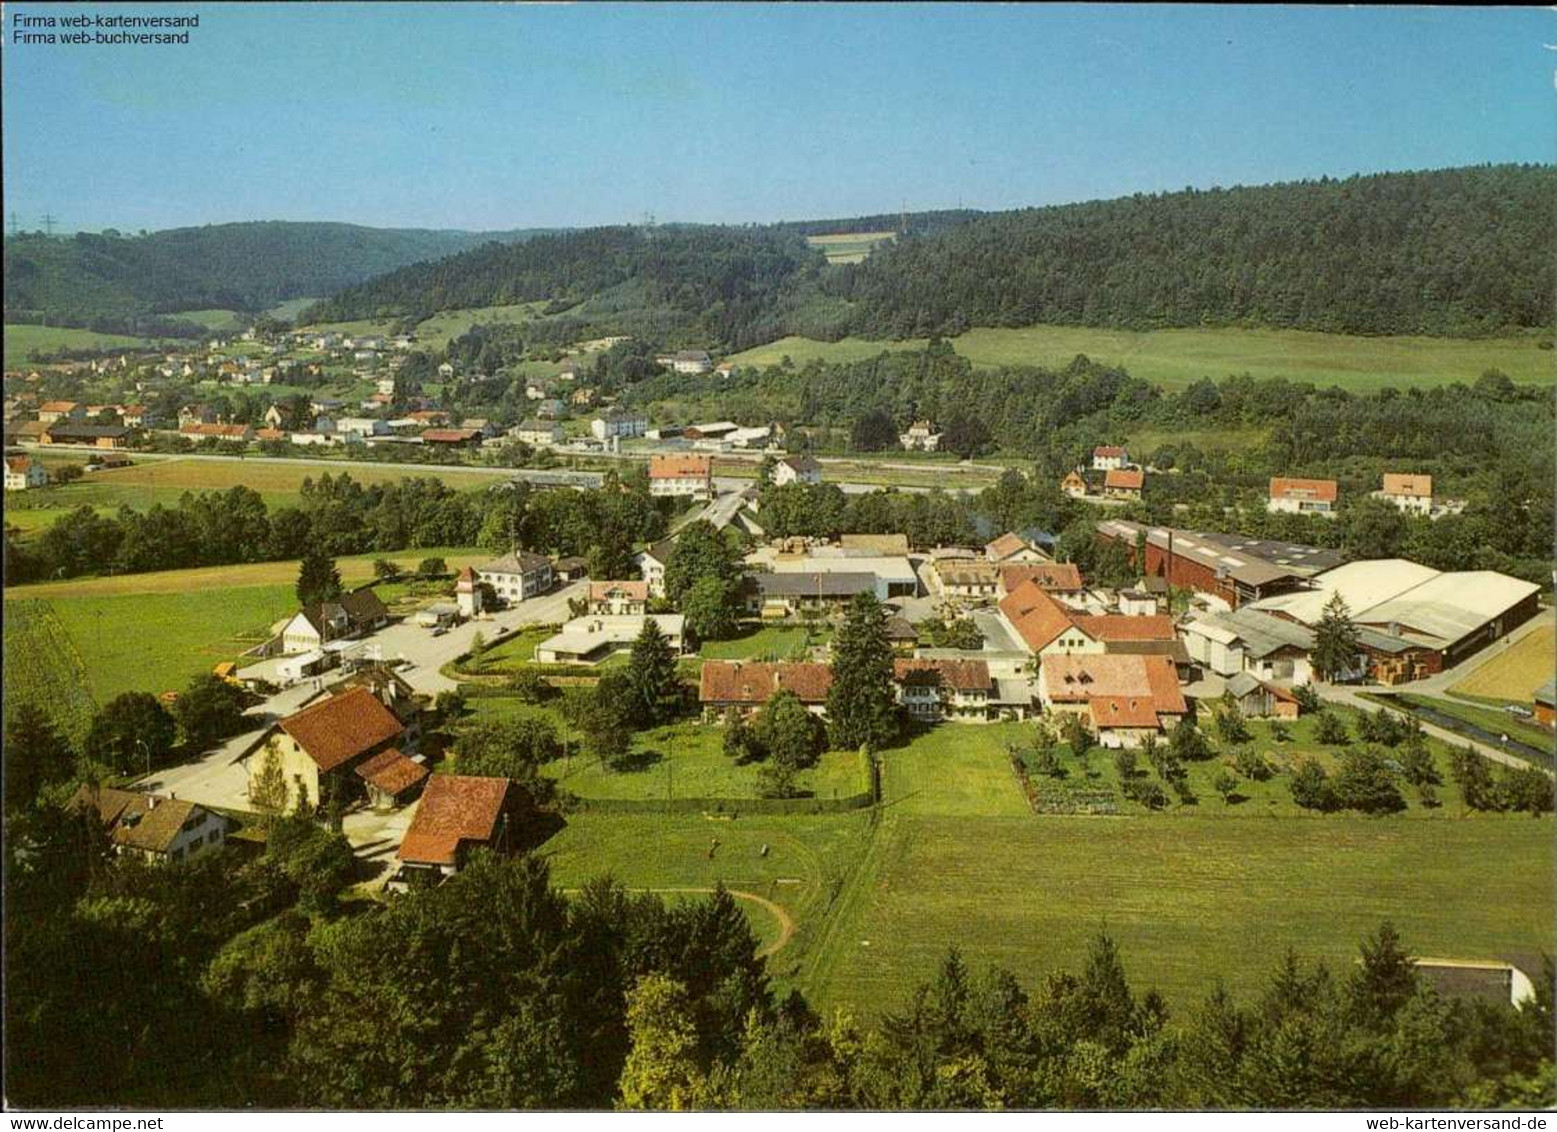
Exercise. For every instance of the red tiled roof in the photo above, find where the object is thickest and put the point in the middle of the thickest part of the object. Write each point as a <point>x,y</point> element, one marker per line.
<point>1078,679</point>
<point>269,434</point>
<point>342,727</point>
<point>963,675</point>
<point>450,435</point>
<point>391,771</point>
<point>1064,577</point>
<point>732,682</point>
<point>1122,711</point>
<point>1005,546</point>
<point>1037,618</point>
<point>1322,490</point>
<point>1420,487</point>
<point>1121,627</point>
<point>1125,479</point>
<point>679,467</point>
<point>57,407</point>
<point>1108,450</point>
<point>454,808</point>
<point>632,591</point>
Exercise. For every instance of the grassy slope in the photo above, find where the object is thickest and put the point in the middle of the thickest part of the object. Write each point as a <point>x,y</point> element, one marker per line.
<point>1515,673</point>
<point>1176,358</point>
<point>21,340</point>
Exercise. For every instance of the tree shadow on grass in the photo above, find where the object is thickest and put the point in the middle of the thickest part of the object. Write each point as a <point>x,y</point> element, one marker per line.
<point>635,762</point>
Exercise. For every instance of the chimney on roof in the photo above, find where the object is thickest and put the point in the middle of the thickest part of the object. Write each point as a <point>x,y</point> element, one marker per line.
<point>151,802</point>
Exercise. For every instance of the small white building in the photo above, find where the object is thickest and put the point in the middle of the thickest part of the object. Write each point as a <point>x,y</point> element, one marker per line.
<point>921,437</point>
<point>1412,495</point>
<point>467,593</point>
<point>589,640</point>
<point>537,434</point>
<point>1302,497</point>
<point>1109,458</point>
<point>23,472</point>
<point>797,469</point>
<point>651,563</point>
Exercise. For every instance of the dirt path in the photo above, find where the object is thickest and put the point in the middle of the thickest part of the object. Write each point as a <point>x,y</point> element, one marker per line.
<point>785,922</point>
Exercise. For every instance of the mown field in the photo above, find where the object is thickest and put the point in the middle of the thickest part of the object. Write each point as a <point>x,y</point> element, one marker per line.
<point>211,319</point>
<point>164,480</point>
<point>1515,673</point>
<point>1194,894</point>
<point>1177,358</point>
<point>849,247</point>
<point>21,340</point>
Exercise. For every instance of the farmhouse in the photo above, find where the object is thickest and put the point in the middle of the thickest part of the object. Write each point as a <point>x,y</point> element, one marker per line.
<point>1259,700</point>
<point>52,411</point>
<point>921,437</point>
<point>589,640</point>
<point>968,580</point>
<point>315,626</point>
<point>1421,621</point>
<point>517,576</point>
<point>457,814</point>
<point>1125,698</point>
<point>1048,628</point>
<point>23,472</point>
<point>315,750</point>
<point>1302,497</point>
<point>727,684</point>
<point>1013,548</point>
<point>1109,458</point>
<point>1073,485</point>
<point>201,431</point>
<point>152,827</point>
<point>1235,569</point>
<point>688,361</point>
<point>961,690</point>
<point>618,598</point>
<point>1413,495</point>
<point>1123,483</point>
<point>797,469</point>
<point>682,476</point>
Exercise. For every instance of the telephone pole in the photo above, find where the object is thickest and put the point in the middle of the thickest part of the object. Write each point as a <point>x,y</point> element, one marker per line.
<point>48,224</point>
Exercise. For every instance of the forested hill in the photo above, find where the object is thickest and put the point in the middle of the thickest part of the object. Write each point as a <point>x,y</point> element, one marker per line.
<point>725,286</point>
<point>1456,252</point>
<point>1452,252</point>
<point>92,279</point>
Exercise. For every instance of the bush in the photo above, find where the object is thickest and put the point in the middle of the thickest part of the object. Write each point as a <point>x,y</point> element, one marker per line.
<point>1124,764</point>
<point>1382,726</point>
<point>1146,792</point>
<point>1225,784</point>
<point>1366,784</point>
<point>1416,764</point>
<point>1308,699</point>
<point>1046,762</point>
<point>1331,731</point>
<point>1311,786</point>
<point>432,568</point>
<point>530,686</point>
<point>1251,764</point>
<point>1526,789</point>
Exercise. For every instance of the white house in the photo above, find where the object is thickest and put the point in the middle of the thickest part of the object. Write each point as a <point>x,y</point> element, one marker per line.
<point>1411,494</point>
<point>588,640</point>
<point>537,434</point>
<point>153,827</point>
<point>22,472</point>
<point>797,469</point>
<point>517,576</point>
<point>618,423</point>
<point>1302,497</point>
<point>682,476</point>
<point>1109,458</point>
<point>651,563</point>
<point>921,437</point>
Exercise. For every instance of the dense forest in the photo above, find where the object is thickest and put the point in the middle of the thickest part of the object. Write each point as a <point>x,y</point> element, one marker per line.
<point>1452,252</point>
<point>729,287</point>
<point>1457,252</point>
<point>115,282</point>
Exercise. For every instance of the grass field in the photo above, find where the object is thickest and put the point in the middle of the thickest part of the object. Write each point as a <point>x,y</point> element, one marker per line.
<point>1176,358</point>
<point>163,481</point>
<point>21,340</point>
<point>1488,716</point>
<point>766,642</point>
<point>291,308</point>
<point>157,642</point>
<point>1515,673</point>
<point>435,332</point>
<point>211,319</point>
<point>354,570</point>
<point>849,247</point>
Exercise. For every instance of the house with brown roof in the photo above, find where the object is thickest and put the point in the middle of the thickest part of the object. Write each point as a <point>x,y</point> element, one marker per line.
<point>629,598</point>
<point>23,472</point>
<point>1055,577</point>
<point>932,690</point>
<point>747,686</point>
<point>392,778</point>
<point>92,435</point>
<point>969,580</point>
<point>1123,697</point>
<point>1302,497</point>
<point>51,411</point>
<point>197,431</point>
<point>315,626</point>
<point>1123,483</point>
<point>452,437</point>
<point>1045,626</point>
<point>1413,495</point>
<point>1073,485</point>
<point>457,814</point>
<point>1109,457</point>
<point>314,752</point>
<point>153,827</point>
<point>682,476</point>
<point>1012,547</point>
<point>797,469</point>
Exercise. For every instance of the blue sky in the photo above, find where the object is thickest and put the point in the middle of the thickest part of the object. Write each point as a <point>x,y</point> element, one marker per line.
<point>478,116</point>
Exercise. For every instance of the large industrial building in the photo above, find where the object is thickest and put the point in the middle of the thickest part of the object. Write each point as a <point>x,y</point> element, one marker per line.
<point>1238,570</point>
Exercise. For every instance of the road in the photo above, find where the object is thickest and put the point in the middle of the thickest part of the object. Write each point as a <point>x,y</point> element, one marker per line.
<point>722,483</point>
<point>217,778</point>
